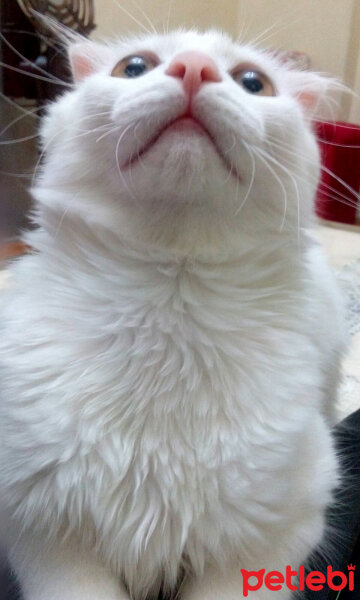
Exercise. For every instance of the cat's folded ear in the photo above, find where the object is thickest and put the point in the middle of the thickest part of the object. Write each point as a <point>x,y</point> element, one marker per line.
<point>86,58</point>
<point>317,94</point>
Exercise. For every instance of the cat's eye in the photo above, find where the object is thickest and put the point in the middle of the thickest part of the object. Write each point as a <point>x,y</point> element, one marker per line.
<point>134,65</point>
<point>254,82</point>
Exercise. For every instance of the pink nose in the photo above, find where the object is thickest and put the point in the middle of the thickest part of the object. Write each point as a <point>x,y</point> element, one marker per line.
<point>194,68</point>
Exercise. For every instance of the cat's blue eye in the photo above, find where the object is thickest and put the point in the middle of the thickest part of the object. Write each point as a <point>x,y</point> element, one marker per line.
<point>134,66</point>
<point>254,82</point>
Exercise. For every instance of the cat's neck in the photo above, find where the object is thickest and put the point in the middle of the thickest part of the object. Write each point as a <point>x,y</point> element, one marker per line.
<point>100,254</point>
<point>67,236</point>
<point>185,231</point>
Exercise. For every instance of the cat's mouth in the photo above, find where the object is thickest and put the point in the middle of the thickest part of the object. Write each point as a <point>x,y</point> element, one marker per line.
<point>184,124</point>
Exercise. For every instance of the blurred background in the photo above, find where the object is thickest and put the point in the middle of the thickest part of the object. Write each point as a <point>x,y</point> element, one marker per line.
<point>321,34</point>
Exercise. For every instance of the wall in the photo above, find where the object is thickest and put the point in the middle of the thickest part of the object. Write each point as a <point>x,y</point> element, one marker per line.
<point>319,27</point>
<point>352,71</point>
<point>113,16</point>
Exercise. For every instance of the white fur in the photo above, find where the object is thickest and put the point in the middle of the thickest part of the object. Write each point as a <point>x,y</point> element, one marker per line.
<point>167,349</point>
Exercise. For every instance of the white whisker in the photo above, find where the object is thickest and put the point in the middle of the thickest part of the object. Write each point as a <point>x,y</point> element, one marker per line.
<point>286,147</point>
<point>48,75</point>
<point>274,29</point>
<point>296,187</point>
<point>126,12</point>
<point>170,7</point>
<point>109,132</point>
<point>19,140</point>
<point>278,179</point>
<point>252,179</point>
<point>26,73</point>
<point>146,17</point>
<point>17,175</point>
<point>13,122</point>
<point>117,160</point>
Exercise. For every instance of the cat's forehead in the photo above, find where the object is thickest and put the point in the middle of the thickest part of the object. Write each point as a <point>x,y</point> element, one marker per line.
<point>218,45</point>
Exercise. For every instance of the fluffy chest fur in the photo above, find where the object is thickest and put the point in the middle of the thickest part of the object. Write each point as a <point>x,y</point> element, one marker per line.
<point>181,396</point>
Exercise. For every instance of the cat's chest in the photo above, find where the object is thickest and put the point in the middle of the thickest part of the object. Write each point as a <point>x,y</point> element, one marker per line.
<point>161,405</point>
<point>176,358</point>
<point>176,436</point>
<point>179,383</point>
<point>158,348</point>
<point>173,347</point>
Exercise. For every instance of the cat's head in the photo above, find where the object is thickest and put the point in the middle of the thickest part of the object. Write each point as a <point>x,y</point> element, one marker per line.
<point>182,137</point>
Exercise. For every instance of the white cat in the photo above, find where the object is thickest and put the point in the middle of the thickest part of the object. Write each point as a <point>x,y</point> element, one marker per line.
<point>169,350</point>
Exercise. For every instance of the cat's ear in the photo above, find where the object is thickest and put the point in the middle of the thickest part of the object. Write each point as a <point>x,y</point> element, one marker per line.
<point>86,58</point>
<point>315,93</point>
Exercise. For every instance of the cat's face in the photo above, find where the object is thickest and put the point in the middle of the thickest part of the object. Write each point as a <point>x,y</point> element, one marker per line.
<point>165,134</point>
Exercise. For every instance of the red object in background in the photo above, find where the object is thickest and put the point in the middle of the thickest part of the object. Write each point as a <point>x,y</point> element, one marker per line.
<point>340,150</point>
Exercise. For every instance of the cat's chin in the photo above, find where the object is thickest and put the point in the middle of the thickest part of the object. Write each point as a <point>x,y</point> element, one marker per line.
<point>186,125</point>
<point>187,143</point>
